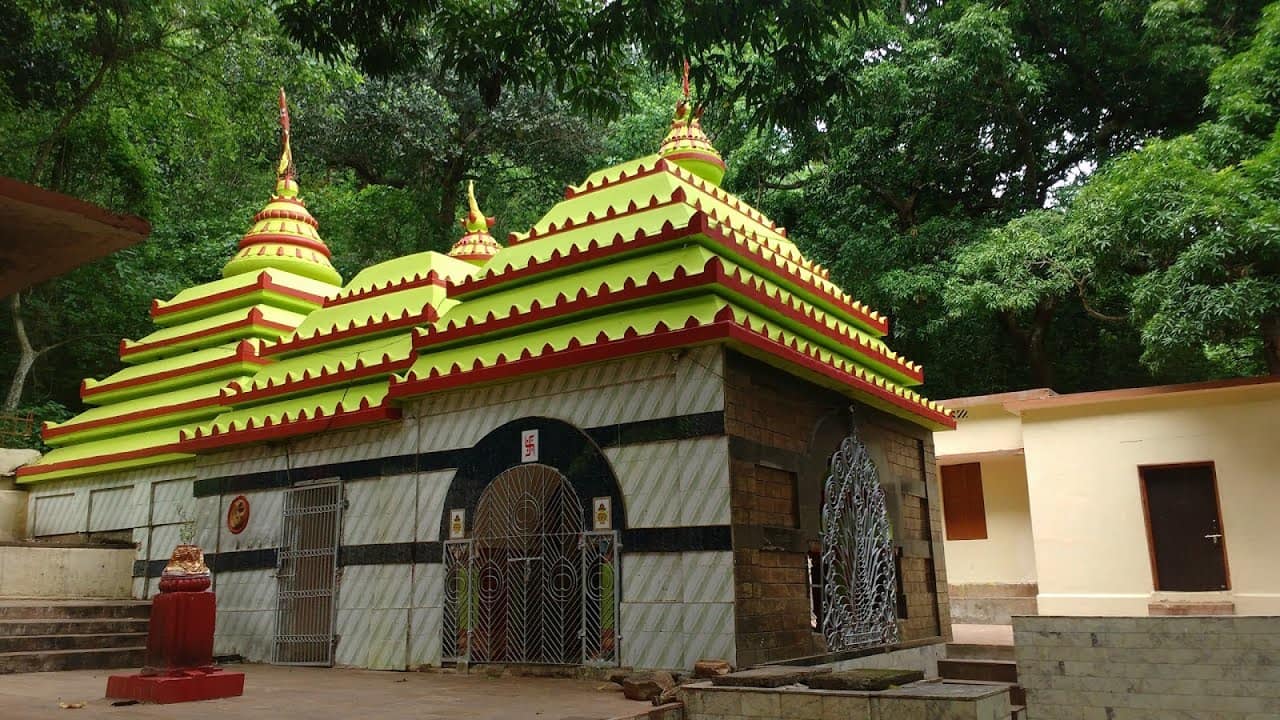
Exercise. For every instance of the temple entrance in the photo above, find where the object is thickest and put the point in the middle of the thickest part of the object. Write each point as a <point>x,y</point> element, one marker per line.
<point>306,574</point>
<point>530,585</point>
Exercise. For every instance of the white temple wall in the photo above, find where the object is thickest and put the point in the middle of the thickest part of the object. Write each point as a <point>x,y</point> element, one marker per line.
<point>676,602</point>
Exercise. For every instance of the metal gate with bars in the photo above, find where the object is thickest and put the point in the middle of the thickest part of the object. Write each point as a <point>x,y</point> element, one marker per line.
<point>306,572</point>
<point>531,586</point>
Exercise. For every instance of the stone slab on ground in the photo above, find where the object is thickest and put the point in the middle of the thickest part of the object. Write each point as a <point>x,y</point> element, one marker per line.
<point>769,677</point>
<point>704,669</point>
<point>864,679</point>
<point>647,685</point>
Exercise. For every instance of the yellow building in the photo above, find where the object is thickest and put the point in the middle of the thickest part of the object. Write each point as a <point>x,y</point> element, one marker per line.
<point>1159,500</point>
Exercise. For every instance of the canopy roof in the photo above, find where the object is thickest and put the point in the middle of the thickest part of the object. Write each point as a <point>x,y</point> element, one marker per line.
<point>48,234</point>
<point>647,255</point>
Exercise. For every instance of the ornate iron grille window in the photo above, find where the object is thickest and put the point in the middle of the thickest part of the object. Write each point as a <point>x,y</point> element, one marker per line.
<point>859,599</point>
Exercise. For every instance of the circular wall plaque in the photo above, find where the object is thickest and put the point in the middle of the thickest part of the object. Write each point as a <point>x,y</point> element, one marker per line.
<point>238,515</point>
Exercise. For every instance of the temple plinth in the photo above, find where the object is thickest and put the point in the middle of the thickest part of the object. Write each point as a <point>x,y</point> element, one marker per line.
<point>180,640</point>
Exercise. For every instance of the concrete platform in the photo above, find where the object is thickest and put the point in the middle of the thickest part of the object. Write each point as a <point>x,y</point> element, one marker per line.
<point>325,694</point>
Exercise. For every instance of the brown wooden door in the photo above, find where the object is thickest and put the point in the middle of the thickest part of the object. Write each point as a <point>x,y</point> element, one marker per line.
<point>1184,528</point>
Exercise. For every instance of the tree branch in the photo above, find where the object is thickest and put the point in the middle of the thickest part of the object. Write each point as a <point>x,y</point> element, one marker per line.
<point>1084,302</point>
<point>77,106</point>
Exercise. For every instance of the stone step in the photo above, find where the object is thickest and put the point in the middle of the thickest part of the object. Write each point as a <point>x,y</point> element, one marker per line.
<point>23,610</point>
<point>991,610</point>
<point>976,651</point>
<point>80,626</point>
<point>1003,671</point>
<point>49,660</point>
<point>84,641</point>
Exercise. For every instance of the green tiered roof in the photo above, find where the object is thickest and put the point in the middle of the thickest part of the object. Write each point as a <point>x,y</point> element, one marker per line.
<point>206,336</point>
<point>648,255</point>
<point>334,370</point>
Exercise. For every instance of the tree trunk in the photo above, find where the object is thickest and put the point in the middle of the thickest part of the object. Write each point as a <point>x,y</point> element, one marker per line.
<point>1033,341</point>
<point>26,355</point>
<point>447,215</point>
<point>1271,342</point>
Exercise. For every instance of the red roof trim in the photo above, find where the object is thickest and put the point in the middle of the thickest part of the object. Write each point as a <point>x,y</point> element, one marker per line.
<point>696,154</point>
<point>263,283</point>
<point>284,239</point>
<point>253,320</point>
<point>291,428</point>
<point>678,196</point>
<point>28,470</point>
<point>632,344</point>
<point>658,166</point>
<point>68,428</point>
<point>311,382</point>
<point>698,224</point>
<point>244,353</point>
<point>280,214</point>
<point>713,273</point>
<point>372,327</point>
<point>432,278</point>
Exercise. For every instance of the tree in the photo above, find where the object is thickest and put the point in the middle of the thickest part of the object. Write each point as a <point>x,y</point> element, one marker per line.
<point>1180,237</point>
<point>946,121</point>
<point>144,108</point>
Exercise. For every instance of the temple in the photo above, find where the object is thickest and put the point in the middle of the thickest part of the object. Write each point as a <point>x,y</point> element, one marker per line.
<point>611,439</point>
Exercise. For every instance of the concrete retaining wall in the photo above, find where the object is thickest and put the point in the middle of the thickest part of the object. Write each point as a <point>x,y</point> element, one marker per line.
<point>28,571</point>
<point>1140,668</point>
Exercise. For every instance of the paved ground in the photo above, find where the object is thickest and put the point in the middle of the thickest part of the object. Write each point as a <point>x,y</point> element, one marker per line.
<point>982,634</point>
<point>324,694</point>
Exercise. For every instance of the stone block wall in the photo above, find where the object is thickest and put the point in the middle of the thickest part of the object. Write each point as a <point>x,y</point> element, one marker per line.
<point>1149,668</point>
<point>782,431</point>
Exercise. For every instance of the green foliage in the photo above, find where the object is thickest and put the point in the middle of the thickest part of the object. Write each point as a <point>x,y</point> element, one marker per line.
<point>21,429</point>
<point>1081,194</point>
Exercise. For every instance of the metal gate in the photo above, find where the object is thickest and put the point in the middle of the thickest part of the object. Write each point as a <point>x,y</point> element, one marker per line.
<point>600,598</point>
<point>531,586</point>
<point>306,572</point>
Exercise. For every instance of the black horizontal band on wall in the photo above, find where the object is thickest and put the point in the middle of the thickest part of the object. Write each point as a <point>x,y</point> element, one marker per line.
<point>679,427</point>
<point>696,538</point>
<point>230,561</point>
<point>690,538</point>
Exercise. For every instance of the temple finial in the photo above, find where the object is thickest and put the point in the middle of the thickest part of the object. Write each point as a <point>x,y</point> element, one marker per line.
<point>476,245</point>
<point>475,220</point>
<point>286,173</point>
<point>284,235</point>
<point>686,144</point>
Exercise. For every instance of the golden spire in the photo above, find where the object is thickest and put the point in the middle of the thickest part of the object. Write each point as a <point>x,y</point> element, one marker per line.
<point>476,221</point>
<point>286,172</point>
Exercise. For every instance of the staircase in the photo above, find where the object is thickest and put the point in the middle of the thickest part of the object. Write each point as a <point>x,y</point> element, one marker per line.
<point>984,660</point>
<point>44,635</point>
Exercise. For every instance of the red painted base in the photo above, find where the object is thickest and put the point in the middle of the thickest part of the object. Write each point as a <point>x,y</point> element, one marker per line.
<point>178,686</point>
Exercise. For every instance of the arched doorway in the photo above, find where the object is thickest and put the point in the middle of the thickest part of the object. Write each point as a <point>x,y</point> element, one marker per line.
<point>534,576</point>
<point>527,562</point>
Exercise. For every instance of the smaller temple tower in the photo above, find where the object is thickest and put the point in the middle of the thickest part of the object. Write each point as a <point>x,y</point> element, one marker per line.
<point>207,336</point>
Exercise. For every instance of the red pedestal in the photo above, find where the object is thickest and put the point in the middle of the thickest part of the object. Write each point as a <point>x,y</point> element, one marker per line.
<point>179,655</point>
<point>177,686</point>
